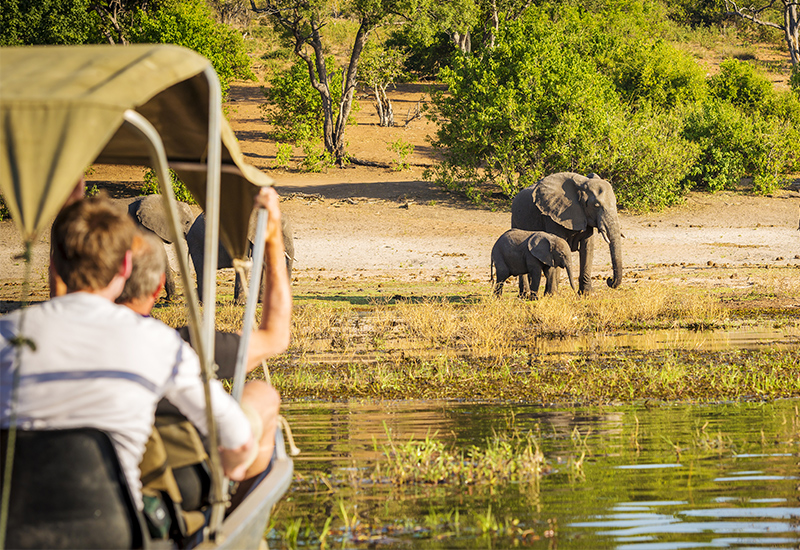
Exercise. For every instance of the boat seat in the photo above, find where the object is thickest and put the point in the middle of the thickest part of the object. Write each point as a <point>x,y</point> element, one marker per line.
<point>68,491</point>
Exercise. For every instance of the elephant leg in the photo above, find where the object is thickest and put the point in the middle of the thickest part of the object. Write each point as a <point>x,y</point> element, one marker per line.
<point>524,286</point>
<point>239,289</point>
<point>169,284</point>
<point>551,280</point>
<point>586,251</point>
<point>497,288</point>
<point>535,276</point>
<point>502,274</point>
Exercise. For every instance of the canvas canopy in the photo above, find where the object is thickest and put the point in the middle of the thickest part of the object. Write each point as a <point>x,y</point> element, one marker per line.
<point>62,109</point>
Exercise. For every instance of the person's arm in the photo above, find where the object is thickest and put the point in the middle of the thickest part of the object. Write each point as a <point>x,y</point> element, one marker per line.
<point>272,335</point>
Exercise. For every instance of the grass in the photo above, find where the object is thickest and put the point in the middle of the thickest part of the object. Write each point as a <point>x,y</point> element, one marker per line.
<point>406,342</point>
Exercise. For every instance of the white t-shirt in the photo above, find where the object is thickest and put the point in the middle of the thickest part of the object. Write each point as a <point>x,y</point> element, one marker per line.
<point>98,364</point>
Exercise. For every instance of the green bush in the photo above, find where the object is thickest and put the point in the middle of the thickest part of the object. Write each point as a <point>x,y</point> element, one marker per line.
<point>295,107</point>
<point>740,84</point>
<point>4,213</point>
<point>538,104</point>
<point>283,156</point>
<point>190,23</point>
<point>734,144</point>
<point>657,74</point>
<point>151,186</point>
<point>794,80</point>
<point>33,22</point>
<point>697,13</point>
<point>649,160</point>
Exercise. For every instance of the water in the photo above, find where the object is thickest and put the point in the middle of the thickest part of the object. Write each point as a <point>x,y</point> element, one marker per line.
<point>671,476</point>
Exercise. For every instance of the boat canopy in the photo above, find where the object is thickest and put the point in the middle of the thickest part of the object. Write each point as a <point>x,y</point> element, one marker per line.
<point>62,108</point>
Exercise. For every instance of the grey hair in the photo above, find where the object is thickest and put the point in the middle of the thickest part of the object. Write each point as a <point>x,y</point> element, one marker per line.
<point>149,264</point>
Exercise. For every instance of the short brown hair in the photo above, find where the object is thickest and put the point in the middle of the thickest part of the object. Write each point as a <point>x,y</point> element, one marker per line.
<point>89,240</point>
<point>149,264</point>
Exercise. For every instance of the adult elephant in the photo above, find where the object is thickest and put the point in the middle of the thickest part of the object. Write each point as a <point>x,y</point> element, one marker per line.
<point>571,206</point>
<point>195,242</point>
<point>148,213</point>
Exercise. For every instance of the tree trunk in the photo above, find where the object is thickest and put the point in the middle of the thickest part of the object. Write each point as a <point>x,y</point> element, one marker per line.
<point>384,107</point>
<point>791,18</point>
<point>790,27</point>
<point>463,41</point>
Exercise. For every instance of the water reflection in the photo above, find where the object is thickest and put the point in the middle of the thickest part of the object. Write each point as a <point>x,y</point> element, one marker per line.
<point>677,476</point>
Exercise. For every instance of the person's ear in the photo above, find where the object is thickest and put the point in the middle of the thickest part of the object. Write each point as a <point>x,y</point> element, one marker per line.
<point>127,265</point>
<point>160,286</point>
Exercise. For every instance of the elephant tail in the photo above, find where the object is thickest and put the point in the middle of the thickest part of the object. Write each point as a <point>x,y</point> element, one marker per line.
<point>491,270</point>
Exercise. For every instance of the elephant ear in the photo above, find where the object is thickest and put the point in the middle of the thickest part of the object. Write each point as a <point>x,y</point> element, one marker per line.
<point>152,216</point>
<point>557,196</point>
<point>539,247</point>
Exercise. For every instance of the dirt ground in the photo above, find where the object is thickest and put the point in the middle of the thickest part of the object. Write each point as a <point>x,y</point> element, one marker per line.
<point>365,222</point>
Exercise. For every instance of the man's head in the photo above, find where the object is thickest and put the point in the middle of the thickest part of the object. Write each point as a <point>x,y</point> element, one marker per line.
<point>148,272</point>
<point>91,239</point>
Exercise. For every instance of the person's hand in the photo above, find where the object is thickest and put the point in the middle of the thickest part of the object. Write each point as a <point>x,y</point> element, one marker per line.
<point>267,198</point>
<point>236,461</point>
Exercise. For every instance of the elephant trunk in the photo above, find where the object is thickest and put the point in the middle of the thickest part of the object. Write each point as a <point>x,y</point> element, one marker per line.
<point>609,228</point>
<point>568,267</point>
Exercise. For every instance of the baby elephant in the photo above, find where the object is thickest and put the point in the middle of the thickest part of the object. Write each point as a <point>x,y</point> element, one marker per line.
<point>519,252</point>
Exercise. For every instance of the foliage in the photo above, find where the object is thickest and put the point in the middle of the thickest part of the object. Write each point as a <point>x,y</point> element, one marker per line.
<point>190,23</point>
<point>794,80</point>
<point>423,57</point>
<point>403,150</point>
<point>649,159</point>
<point>283,156</point>
<point>656,73</point>
<point>697,13</point>
<point>4,213</point>
<point>735,144</point>
<point>295,108</point>
<point>152,187</point>
<point>317,158</point>
<point>380,68</point>
<point>742,86</point>
<point>32,22</point>
<point>537,104</point>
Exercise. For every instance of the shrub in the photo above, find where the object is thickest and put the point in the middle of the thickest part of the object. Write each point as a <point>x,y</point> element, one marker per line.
<point>32,22</point>
<point>741,85</point>
<point>190,23</point>
<point>734,145</point>
<point>295,107</point>
<point>284,155</point>
<point>4,213</point>
<point>649,160</point>
<point>537,104</point>
<point>151,186</point>
<point>794,80</point>
<point>656,74</point>
<point>403,150</point>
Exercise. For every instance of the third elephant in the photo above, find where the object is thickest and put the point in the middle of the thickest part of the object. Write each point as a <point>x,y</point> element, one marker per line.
<point>572,206</point>
<point>195,240</point>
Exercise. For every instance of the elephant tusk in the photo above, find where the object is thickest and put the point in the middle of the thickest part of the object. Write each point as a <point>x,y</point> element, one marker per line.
<point>605,237</point>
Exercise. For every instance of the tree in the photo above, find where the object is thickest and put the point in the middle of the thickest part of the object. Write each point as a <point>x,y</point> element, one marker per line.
<point>790,15</point>
<point>381,68</point>
<point>35,22</point>
<point>301,23</point>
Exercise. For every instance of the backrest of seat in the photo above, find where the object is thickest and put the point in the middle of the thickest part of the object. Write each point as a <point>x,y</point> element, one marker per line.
<point>68,491</point>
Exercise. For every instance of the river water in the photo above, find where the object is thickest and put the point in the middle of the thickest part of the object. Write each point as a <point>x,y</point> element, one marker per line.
<point>629,477</point>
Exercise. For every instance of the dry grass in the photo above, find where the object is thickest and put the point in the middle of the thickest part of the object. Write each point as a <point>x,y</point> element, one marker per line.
<point>493,327</point>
